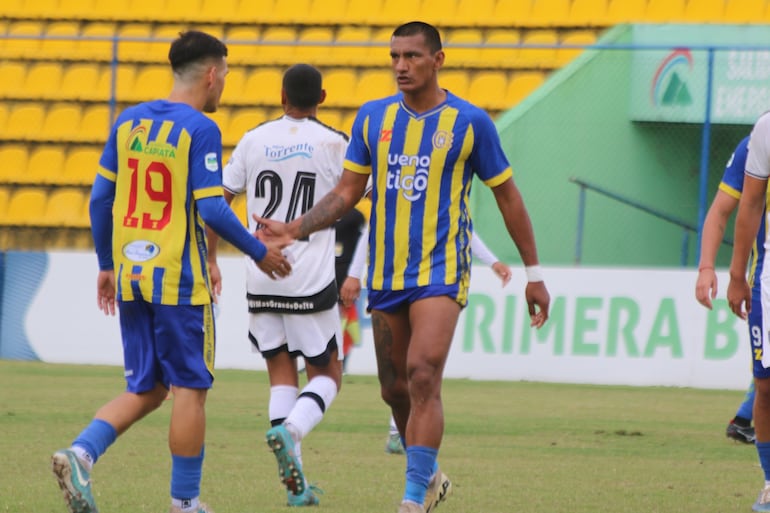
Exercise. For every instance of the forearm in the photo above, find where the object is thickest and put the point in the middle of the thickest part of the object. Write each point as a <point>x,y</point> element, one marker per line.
<point>711,238</point>
<point>517,222</point>
<point>100,211</point>
<point>331,207</point>
<point>750,212</point>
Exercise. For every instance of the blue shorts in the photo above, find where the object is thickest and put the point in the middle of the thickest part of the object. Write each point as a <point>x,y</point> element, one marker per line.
<point>755,336</point>
<point>392,300</point>
<point>168,344</point>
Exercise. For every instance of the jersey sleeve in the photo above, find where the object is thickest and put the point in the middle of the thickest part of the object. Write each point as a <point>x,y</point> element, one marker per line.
<point>206,161</point>
<point>108,162</point>
<point>358,157</point>
<point>758,160</point>
<point>487,158</point>
<point>732,179</point>
<point>234,174</point>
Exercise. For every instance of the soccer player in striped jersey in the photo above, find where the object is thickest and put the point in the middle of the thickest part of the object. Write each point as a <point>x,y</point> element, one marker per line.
<point>422,147</point>
<point>748,298</point>
<point>284,166</point>
<point>159,181</point>
<point>725,202</point>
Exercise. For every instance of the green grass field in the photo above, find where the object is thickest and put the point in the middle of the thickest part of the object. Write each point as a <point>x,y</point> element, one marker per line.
<point>523,447</point>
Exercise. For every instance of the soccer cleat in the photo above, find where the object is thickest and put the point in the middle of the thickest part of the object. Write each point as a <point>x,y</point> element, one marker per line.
<point>439,488</point>
<point>289,468</point>
<point>409,507</point>
<point>763,501</point>
<point>740,433</point>
<point>394,445</point>
<point>307,498</point>
<point>202,508</point>
<point>74,481</point>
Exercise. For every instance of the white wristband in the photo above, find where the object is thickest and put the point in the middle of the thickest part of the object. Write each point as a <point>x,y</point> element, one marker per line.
<point>534,273</point>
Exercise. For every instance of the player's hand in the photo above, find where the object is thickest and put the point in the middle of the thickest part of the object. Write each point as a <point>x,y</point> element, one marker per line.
<point>706,287</point>
<point>350,290</point>
<point>503,272</point>
<point>538,301</point>
<point>215,275</point>
<point>105,292</point>
<point>739,297</point>
<point>274,264</point>
<point>271,229</point>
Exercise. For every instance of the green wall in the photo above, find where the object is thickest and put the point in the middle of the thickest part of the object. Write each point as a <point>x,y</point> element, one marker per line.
<point>577,125</point>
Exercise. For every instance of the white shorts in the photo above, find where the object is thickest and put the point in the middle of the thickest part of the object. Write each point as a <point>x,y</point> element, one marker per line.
<point>314,336</point>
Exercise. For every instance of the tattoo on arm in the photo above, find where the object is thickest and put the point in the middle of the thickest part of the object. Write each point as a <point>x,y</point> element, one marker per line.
<point>322,215</point>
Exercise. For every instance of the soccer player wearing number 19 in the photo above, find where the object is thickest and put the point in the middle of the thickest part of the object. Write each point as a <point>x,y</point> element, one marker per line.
<point>159,180</point>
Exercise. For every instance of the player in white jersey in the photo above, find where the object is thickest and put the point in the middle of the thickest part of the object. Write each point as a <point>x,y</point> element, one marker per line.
<point>752,208</point>
<point>284,166</point>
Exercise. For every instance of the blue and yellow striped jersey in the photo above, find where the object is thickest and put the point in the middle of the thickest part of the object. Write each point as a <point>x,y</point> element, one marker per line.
<point>422,166</point>
<point>162,156</point>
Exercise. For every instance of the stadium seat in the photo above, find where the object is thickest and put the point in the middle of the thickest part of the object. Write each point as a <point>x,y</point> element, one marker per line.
<point>319,54</point>
<point>442,13</point>
<point>40,9</point>
<point>362,13</point>
<point>12,8</point>
<point>240,122</point>
<point>243,45</point>
<point>26,206</point>
<point>330,116</point>
<point>374,84</point>
<point>25,121</point>
<point>503,56</point>
<point>576,38</point>
<point>14,73</point>
<point>394,12</point>
<point>478,13</point>
<point>46,165</point>
<point>455,81</point>
<point>4,111</point>
<point>151,82</point>
<point>277,46</point>
<point>234,82</point>
<point>61,122</point>
<point>14,158</point>
<point>113,10</point>
<point>80,81</point>
<point>347,121</point>
<point>340,87</point>
<point>133,44</point>
<point>379,50</point>
<point>65,208</point>
<point>508,13</point>
<point>328,12</point>
<point>218,12</point>
<point>76,9</point>
<point>5,196</point>
<point>521,85</point>
<point>24,39</point>
<point>626,11</point>
<point>542,54</point>
<point>487,89</point>
<point>743,11</point>
<point>348,52</point>
<point>43,81</point>
<point>263,86</point>
<point>588,13</point>
<point>81,165</point>
<point>705,11</point>
<point>125,82</point>
<point>549,13</point>
<point>162,36</point>
<point>61,40</point>
<point>96,42</point>
<point>662,11</point>
<point>95,124</point>
<point>149,10</point>
<point>290,12</point>
<point>250,11</point>
<point>468,53</point>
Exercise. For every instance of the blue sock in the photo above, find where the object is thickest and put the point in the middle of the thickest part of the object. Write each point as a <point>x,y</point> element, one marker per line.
<point>186,476</point>
<point>96,438</point>
<point>746,409</point>
<point>763,449</point>
<point>420,462</point>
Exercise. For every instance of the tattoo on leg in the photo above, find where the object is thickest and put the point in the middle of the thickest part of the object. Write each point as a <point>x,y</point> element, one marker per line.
<point>383,344</point>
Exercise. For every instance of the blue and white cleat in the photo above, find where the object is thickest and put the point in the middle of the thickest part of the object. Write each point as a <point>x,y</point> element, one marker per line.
<point>289,468</point>
<point>74,481</point>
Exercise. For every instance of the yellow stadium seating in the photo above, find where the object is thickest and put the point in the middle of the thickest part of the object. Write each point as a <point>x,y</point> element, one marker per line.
<point>704,11</point>
<point>503,56</point>
<point>81,81</point>
<point>379,51</point>
<point>347,121</point>
<point>96,42</point>
<point>242,44</point>
<point>134,42</point>
<point>455,81</point>
<point>5,197</point>
<point>187,10</point>
<point>219,11</point>
<point>662,11</point>
<point>522,84</point>
<point>25,121</point>
<point>75,9</point>
<point>24,39</point>
<point>240,122</point>
<point>65,208</point>
<point>42,9</point>
<point>14,73</point>
<point>362,13</point>
<point>151,82</point>
<point>26,206</point>
<point>442,13</point>
<point>330,116</point>
<point>162,35</point>
<point>468,52</point>
<point>80,166</point>
<point>61,40</point>
<point>234,82</point>
<point>95,124</point>
<point>743,11</point>
<point>626,11</point>
<point>349,53</point>
<point>43,81</point>
<point>251,11</point>
<point>4,111</point>
<point>542,53</point>
<point>549,13</point>
<point>125,82</point>
<point>373,84</point>
<point>45,166</point>
<point>14,158</point>
<point>394,12</point>
<point>487,89</point>
<point>263,86</point>
<point>320,54</point>
<point>508,13</point>
<point>328,12</point>
<point>476,13</point>
<point>340,87</point>
<point>290,12</point>
<point>588,13</point>
<point>277,46</point>
<point>61,122</point>
<point>574,38</point>
<point>12,8</point>
<point>221,117</point>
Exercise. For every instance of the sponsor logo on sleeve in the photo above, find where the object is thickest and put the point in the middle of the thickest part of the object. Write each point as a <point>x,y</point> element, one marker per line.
<point>211,161</point>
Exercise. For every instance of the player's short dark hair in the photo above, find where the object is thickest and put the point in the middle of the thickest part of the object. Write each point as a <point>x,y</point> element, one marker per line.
<point>303,84</point>
<point>428,31</point>
<point>194,46</point>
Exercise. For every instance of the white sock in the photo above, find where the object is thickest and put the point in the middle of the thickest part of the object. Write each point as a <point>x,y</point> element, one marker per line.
<point>186,505</point>
<point>282,400</point>
<point>83,456</point>
<point>393,427</point>
<point>307,413</point>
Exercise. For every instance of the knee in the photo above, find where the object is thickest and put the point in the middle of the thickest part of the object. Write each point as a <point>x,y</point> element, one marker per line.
<point>395,394</point>
<point>424,381</point>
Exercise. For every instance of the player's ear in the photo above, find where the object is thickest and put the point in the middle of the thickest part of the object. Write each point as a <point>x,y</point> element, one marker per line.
<point>438,60</point>
<point>322,96</point>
